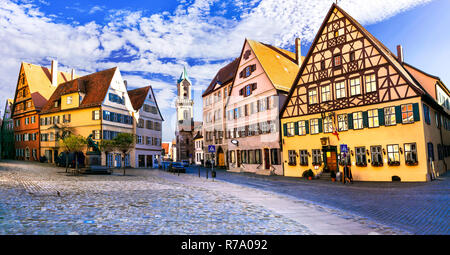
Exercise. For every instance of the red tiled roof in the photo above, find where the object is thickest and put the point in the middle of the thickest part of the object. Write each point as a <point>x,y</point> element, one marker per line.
<point>224,75</point>
<point>137,97</point>
<point>95,86</point>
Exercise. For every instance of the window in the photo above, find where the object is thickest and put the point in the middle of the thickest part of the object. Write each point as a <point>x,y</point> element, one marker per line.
<point>393,154</point>
<point>340,89</point>
<point>275,156</point>
<point>360,153</point>
<point>96,115</point>
<point>302,127</point>
<point>96,134</point>
<point>430,152</point>
<point>316,157</point>
<point>33,119</point>
<point>337,60</point>
<point>327,125</point>
<point>27,121</point>
<point>407,114</point>
<point>322,65</point>
<point>292,158</point>
<point>314,126</point>
<point>69,100</point>
<point>357,120</point>
<point>342,122</point>
<point>258,156</point>
<point>371,85</point>
<point>373,118</point>
<point>355,87</point>
<point>290,129</point>
<point>352,56</point>
<point>438,118</point>
<point>139,139</point>
<point>377,156</point>
<point>410,153</point>
<point>326,93</point>
<point>389,116</point>
<point>303,157</point>
<point>312,95</point>
<point>345,159</point>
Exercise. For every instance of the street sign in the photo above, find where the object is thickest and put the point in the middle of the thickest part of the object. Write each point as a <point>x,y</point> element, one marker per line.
<point>211,148</point>
<point>344,148</point>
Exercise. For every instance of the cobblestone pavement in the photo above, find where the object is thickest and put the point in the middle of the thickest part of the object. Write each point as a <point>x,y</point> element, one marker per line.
<point>41,199</point>
<point>419,208</point>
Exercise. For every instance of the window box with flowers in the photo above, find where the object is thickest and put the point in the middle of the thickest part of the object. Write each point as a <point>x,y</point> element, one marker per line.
<point>411,162</point>
<point>377,163</point>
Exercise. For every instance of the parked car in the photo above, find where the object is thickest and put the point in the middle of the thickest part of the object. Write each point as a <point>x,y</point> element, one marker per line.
<point>61,159</point>
<point>185,163</point>
<point>177,168</point>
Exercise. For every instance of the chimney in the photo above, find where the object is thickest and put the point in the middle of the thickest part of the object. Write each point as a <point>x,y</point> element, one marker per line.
<point>126,83</point>
<point>400,53</point>
<point>73,74</point>
<point>54,73</point>
<point>298,51</point>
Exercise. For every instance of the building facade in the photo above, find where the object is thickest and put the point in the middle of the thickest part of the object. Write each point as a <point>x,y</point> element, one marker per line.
<point>95,105</point>
<point>34,87</point>
<point>263,78</point>
<point>148,150</point>
<point>214,122</point>
<point>185,119</point>
<point>199,146</point>
<point>7,132</point>
<point>355,103</point>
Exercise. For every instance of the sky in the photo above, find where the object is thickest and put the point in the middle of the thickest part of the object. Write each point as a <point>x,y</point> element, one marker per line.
<point>151,41</point>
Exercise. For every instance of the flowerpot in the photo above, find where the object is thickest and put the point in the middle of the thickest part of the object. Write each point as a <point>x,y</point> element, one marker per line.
<point>333,179</point>
<point>309,178</point>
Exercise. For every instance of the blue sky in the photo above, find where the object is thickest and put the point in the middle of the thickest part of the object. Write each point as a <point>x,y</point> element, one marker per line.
<point>151,41</point>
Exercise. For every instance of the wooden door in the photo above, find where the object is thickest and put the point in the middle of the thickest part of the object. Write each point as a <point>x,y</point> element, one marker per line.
<point>266,159</point>
<point>332,160</point>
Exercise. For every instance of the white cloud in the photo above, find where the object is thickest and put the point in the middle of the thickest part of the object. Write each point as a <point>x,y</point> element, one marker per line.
<point>163,43</point>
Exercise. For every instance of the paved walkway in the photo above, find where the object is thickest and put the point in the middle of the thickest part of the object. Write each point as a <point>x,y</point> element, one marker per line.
<point>419,208</point>
<point>40,199</point>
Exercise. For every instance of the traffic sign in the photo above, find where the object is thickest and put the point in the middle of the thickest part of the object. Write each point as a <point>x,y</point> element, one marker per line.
<point>211,148</point>
<point>344,148</point>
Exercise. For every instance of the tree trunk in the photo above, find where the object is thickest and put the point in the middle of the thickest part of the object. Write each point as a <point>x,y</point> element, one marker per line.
<point>123,164</point>
<point>67,162</point>
<point>76,162</point>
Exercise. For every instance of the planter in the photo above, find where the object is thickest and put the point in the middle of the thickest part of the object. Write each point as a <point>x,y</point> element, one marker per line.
<point>333,179</point>
<point>309,178</point>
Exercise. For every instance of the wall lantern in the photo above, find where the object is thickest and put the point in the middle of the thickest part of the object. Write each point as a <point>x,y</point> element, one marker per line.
<point>384,151</point>
<point>309,154</point>
<point>401,150</point>
<point>367,151</point>
<point>235,142</point>
<point>351,152</point>
<point>324,140</point>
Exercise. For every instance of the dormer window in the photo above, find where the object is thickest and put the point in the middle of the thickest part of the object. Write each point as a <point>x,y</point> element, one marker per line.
<point>69,100</point>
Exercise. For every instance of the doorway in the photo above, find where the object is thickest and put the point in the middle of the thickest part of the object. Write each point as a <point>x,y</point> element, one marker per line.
<point>220,157</point>
<point>330,158</point>
<point>149,161</point>
<point>266,159</point>
<point>238,158</point>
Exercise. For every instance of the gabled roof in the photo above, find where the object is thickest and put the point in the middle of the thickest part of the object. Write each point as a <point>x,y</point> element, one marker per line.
<point>39,79</point>
<point>138,96</point>
<point>384,51</point>
<point>94,86</point>
<point>279,65</point>
<point>223,76</point>
<point>198,136</point>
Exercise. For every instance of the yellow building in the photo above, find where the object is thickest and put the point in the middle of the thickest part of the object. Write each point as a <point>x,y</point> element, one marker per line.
<point>81,106</point>
<point>352,94</point>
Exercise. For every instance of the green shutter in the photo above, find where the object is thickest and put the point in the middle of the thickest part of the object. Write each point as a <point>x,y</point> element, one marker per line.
<point>365,119</point>
<point>398,114</point>
<point>350,120</point>
<point>307,126</point>
<point>381,116</point>
<point>285,129</point>
<point>416,112</point>
<point>320,125</point>
<point>296,128</point>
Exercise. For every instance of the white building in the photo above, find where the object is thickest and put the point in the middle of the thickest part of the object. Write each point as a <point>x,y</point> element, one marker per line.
<point>147,152</point>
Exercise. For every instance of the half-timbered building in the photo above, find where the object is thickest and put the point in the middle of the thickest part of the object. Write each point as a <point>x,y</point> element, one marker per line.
<point>353,94</point>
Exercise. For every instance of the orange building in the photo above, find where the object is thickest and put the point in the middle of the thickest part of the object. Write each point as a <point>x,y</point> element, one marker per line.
<point>34,86</point>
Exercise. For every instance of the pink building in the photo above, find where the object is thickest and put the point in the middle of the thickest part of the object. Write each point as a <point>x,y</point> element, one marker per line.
<point>261,85</point>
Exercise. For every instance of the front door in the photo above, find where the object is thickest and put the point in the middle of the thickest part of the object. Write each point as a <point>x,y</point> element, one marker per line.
<point>238,158</point>
<point>266,159</point>
<point>149,161</point>
<point>221,159</point>
<point>331,158</point>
